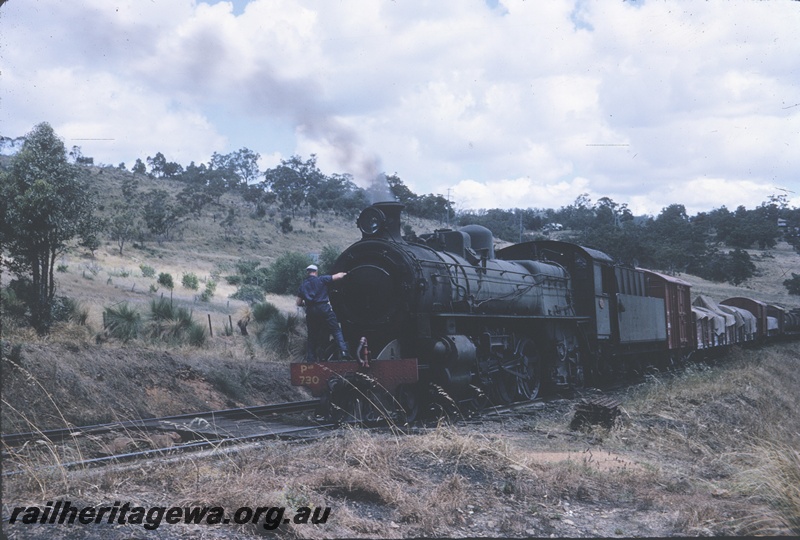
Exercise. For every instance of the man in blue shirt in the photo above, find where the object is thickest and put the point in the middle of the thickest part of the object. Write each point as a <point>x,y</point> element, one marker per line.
<point>313,294</point>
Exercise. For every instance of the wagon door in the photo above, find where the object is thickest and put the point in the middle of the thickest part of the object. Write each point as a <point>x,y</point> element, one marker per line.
<point>602,305</point>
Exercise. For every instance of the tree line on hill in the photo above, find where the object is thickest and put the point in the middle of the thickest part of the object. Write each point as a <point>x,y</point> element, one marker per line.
<point>46,203</point>
<point>710,244</point>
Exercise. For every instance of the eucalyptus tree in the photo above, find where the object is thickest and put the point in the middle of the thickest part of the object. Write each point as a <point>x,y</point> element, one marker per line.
<point>240,167</point>
<point>45,204</point>
<point>292,181</point>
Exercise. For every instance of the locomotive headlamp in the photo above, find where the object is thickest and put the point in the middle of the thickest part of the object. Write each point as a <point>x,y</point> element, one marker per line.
<point>371,221</point>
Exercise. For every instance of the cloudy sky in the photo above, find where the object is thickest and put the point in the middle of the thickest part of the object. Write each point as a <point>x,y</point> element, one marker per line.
<point>500,103</point>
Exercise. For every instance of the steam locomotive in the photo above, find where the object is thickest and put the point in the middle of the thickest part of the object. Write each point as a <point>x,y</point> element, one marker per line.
<point>458,326</point>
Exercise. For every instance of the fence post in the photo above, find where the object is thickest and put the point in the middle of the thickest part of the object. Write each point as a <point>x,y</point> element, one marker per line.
<point>210,331</point>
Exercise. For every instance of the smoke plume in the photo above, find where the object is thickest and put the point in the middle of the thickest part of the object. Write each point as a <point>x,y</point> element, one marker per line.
<point>299,101</point>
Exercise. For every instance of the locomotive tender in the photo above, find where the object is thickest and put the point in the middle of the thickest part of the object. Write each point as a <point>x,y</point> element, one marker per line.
<point>457,326</point>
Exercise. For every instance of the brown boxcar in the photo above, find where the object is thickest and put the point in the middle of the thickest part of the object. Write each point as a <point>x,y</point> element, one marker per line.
<point>676,294</point>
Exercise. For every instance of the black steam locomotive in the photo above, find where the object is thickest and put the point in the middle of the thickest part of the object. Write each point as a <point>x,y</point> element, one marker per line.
<point>457,326</point>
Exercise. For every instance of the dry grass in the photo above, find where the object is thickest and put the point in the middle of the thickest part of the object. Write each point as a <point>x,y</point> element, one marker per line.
<point>671,467</point>
<point>59,381</point>
<point>749,396</point>
<point>711,445</point>
<point>775,480</point>
<point>714,430</point>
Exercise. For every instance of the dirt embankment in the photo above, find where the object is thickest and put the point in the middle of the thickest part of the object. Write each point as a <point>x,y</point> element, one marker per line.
<point>48,384</point>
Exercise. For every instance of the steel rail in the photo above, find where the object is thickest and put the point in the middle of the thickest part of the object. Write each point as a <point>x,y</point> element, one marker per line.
<point>162,452</point>
<point>60,434</point>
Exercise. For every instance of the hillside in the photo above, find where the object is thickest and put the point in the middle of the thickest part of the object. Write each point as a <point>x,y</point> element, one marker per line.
<point>201,246</point>
<point>198,245</point>
<point>772,268</point>
<point>708,452</point>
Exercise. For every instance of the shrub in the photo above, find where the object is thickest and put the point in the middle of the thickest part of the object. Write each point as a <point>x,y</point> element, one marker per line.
<point>161,310</point>
<point>190,281</point>
<point>122,272</point>
<point>166,322</point>
<point>174,324</point>
<point>245,267</point>
<point>12,298</point>
<point>251,273</point>
<point>62,268</point>
<point>282,334</point>
<point>327,257</point>
<point>208,293</point>
<point>287,272</point>
<point>68,309</point>
<point>235,279</point>
<point>122,322</point>
<point>793,285</point>
<point>165,279</point>
<point>173,329</point>
<point>147,271</point>
<point>263,312</point>
<point>197,335</point>
<point>227,329</point>
<point>251,294</point>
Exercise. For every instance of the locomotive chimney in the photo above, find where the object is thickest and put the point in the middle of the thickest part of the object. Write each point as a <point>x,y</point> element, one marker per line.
<point>392,212</point>
<point>382,220</point>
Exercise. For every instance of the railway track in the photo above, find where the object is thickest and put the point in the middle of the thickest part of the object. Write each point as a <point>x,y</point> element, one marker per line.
<point>198,431</point>
<point>191,422</point>
<point>195,431</point>
<point>216,429</point>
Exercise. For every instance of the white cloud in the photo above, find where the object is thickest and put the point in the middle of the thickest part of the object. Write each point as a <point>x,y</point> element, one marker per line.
<point>701,194</point>
<point>530,101</point>
<point>517,193</point>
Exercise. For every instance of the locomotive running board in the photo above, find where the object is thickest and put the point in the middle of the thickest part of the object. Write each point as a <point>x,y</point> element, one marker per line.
<point>389,373</point>
<point>513,317</point>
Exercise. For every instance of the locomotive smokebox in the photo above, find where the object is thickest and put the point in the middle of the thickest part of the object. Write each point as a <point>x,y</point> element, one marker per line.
<point>381,220</point>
